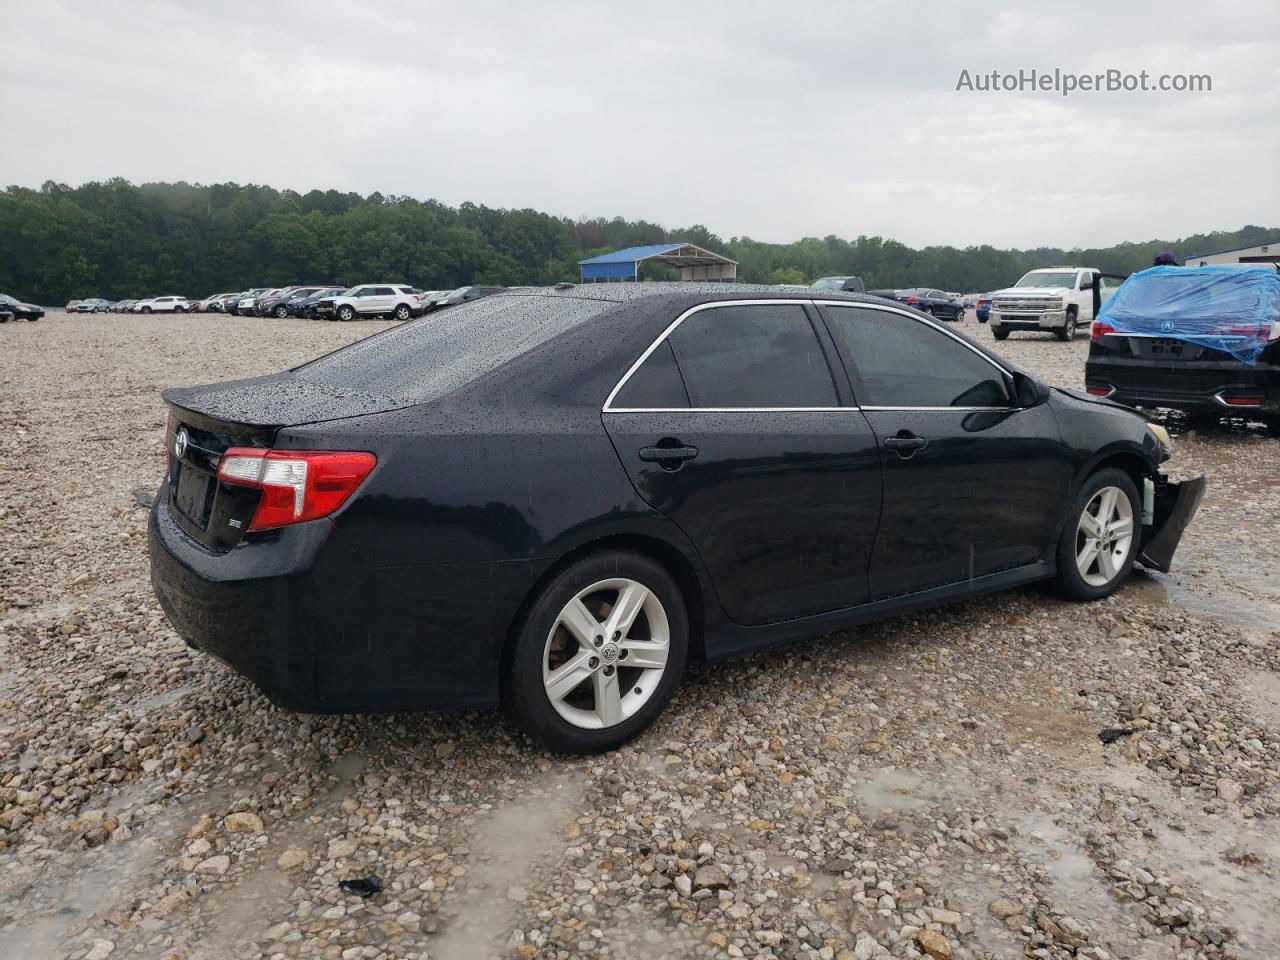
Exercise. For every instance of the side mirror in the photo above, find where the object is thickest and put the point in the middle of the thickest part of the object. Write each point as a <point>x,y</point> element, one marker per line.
<point>1028,391</point>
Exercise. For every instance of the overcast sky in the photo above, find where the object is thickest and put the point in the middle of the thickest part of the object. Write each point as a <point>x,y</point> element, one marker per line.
<point>771,120</point>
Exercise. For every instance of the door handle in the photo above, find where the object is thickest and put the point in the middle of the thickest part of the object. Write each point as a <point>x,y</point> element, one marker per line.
<point>905,444</point>
<point>669,453</point>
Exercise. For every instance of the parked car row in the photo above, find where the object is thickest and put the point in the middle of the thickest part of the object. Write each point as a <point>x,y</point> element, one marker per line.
<point>395,301</point>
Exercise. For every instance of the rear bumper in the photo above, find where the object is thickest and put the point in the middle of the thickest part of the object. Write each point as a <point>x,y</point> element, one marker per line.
<point>1190,385</point>
<point>1175,505</point>
<point>249,610</point>
<point>319,628</point>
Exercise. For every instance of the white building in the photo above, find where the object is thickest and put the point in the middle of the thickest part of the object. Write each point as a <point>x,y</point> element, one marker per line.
<point>1263,253</point>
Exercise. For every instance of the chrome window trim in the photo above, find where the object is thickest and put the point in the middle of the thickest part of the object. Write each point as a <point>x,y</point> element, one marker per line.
<point>710,305</point>
<point>928,322</point>
<point>608,403</point>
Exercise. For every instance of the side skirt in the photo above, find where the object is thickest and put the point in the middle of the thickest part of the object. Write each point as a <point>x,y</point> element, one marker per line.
<point>730,639</point>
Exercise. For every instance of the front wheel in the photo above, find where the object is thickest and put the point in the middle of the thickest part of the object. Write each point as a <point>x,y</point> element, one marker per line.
<point>1068,330</point>
<point>1099,540</point>
<point>345,313</point>
<point>146,309</point>
<point>281,312</point>
<point>598,655</point>
<point>1000,333</point>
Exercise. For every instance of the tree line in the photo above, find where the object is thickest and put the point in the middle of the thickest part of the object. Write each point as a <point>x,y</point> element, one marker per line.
<point>115,239</point>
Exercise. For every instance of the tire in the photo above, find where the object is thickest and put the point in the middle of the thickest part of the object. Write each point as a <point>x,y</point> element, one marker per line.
<point>345,313</point>
<point>1080,577</point>
<point>579,720</point>
<point>1000,333</point>
<point>1068,331</point>
<point>402,312</point>
<point>1273,427</point>
<point>145,310</point>
<point>281,311</point>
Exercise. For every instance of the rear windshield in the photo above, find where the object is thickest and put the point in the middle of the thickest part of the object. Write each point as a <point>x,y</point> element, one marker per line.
<point>425,359</point>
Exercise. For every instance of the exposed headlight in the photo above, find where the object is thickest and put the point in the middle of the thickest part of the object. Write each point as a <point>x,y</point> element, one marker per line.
<point>1162,438</point>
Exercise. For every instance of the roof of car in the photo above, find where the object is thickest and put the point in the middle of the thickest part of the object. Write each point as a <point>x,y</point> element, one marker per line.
<point>630,292</point>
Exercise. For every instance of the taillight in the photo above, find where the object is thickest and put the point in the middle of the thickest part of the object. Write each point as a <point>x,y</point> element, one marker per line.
<point>1101,391</point>
<point>912,301</point>
<point>1100,330</point>
<point>1242,399</point>
<point>296,485</point>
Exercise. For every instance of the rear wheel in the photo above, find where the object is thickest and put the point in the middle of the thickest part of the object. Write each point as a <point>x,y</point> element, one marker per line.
<point>402,312</point>
<point>1100,538</point>
<point>345,313</point>
<point>146,309</point>
<point>1068,330</point>
<point>1000,333</point>
<point>598,655</point>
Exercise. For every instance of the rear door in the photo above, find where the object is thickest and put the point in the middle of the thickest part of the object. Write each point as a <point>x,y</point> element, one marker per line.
<point>972,484</point>
<point>734,427</point>
<point>378,300</point>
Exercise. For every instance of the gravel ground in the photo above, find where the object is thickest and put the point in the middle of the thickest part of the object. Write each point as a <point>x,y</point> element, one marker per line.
<point>931,786</point>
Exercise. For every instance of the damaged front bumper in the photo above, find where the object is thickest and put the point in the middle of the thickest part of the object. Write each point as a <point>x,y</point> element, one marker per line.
<point>1175,503</point>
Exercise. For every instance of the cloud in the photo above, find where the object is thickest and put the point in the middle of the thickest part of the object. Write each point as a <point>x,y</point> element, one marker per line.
<point>773,121</point>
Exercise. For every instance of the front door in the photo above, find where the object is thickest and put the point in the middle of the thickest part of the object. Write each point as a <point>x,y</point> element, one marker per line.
<point>972,484</point>
<point>733,428</point>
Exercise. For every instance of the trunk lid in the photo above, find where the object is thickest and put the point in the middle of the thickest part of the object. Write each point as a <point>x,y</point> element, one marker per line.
<point>206,421</point>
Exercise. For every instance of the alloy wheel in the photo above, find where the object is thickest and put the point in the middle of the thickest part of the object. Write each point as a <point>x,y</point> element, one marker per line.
<point>1104,536</point>
<point>606,653</point>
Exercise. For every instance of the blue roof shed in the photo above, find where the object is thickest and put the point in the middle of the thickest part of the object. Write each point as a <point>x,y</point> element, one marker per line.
<point>694,262</point>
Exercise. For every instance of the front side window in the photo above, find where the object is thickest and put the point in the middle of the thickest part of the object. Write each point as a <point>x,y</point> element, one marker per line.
<point>896,361</point>
<point>753,356</point>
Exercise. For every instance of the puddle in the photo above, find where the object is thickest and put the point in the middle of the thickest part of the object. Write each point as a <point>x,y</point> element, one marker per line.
<point>1254,614</point>
<point>906,791</point>
<point>1082,892</point>
<point>1244,895</point>
<point>47,906</point>
<point>1261,691</point>
<point>507,846</point>
<point>157,700</point>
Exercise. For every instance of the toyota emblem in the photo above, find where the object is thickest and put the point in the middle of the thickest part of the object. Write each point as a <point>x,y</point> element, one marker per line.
<point>180,444</point>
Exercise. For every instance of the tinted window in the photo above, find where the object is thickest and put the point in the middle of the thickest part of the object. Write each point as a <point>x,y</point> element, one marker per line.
<point>425,359</point>
<point>753,356</point>
<point>383,292</point>
<point>656,384</point>
<point>895,361</point>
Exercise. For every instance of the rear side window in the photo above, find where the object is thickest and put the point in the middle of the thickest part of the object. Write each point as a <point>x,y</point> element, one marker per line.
<point>753,356</point>
<point>425,359</point>
<point>895,361</point>
<point>656,385</point>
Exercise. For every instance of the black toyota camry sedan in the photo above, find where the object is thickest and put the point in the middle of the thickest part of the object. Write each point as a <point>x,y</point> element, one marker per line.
<point>552,499</point>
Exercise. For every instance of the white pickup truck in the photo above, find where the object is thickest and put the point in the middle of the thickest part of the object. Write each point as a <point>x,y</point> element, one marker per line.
<point>1054,299</point>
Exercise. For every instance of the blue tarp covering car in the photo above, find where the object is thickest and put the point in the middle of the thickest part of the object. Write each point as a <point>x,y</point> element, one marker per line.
<point>1227,308</point>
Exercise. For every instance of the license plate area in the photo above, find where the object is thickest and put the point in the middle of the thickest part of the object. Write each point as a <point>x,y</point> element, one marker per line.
<point>1162,346</point>
<point>193,495</point>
